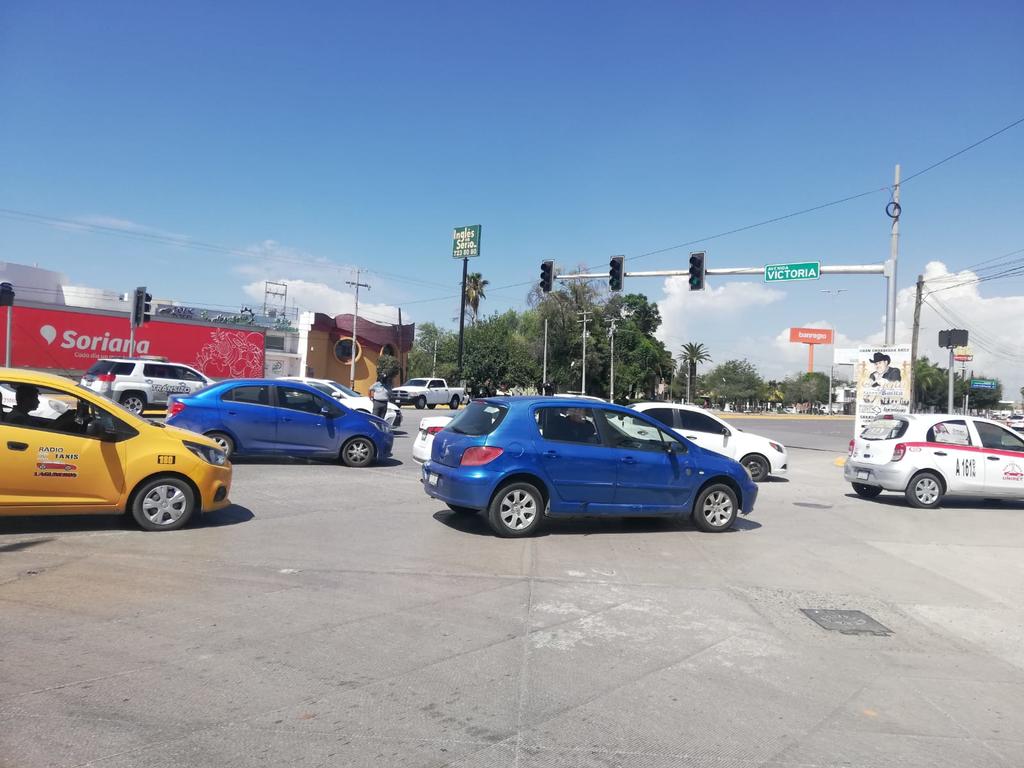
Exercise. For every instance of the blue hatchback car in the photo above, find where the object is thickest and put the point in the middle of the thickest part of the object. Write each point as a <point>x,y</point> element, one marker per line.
<point>254,417</point>
<point>523,458</point>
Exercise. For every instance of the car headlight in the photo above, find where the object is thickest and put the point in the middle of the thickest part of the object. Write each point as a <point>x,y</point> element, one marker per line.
<point>381,425</point>
<point>207,453</point>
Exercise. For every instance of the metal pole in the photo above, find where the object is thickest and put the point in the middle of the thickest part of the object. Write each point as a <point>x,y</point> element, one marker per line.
<point>611,384</point>
<point>355,325</point>
<point>462,312</point>
<point>689,397</point>
<point>131,339</point>
<point>894,250</point>
<point>951,375</point>
<point>7,345</point>
<point>831,373</point>
<point>433,365</point>
<point>583,390</point>
<point>967,400</point>
<point>913,340</point>
<point>544,375</point>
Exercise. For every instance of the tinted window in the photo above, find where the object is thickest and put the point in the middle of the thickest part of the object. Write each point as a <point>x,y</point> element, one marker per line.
<point>884,429</point>
<point>950,432</point>
<point>994,436</point>
<point>159,371</point>
<point>299,400</point>
<point>321,388</point>
<point>568,425</point>
<point>28,406</point>
<point>625,431</point>
<point>479,418</point>
<point>416,383</point>
<point>253,395</point>
<point>347,390</point>
<point>698,422</point>
<point>102,367</point>
<point>665,415</point>
<point>187,374</point>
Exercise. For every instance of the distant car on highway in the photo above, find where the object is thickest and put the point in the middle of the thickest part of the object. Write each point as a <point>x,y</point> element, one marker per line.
<point>522,459</point>
<point>269,416</point>
<point>761,456</point>
<point>348,397</point>
<point>927,457</point>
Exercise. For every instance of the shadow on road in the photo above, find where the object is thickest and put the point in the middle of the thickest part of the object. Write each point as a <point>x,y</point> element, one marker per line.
<point>20,545</point>
<point>292,461</point>
<point>585,526</point>
<point>232,515</point>
<point>897,500</point>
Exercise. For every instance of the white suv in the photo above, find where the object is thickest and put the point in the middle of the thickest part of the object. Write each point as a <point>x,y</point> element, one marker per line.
<point>139,384</point>
<point>926,457</point>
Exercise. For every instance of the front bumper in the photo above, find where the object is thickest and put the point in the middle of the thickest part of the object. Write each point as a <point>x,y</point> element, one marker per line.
<point>214,484</point>
<point>890,477</point>
<point>462,487</point>
<point>749,498</point>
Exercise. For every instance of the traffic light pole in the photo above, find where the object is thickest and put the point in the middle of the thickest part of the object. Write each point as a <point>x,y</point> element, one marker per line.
<point>838,269</point>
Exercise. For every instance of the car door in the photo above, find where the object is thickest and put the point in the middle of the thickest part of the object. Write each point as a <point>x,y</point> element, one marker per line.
<point>579,467</point>
<point>304,421</point>
<point>51,466</point>
<point>951,449</point>
<point>248,414</point>
<point>706,432</point>
<point>1003,460</point>
<point>190,380</point>
<point>162,380</point>
<point>655,469</point>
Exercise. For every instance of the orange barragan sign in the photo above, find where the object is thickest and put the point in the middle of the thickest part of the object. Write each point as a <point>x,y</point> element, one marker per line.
<point>810,335</point>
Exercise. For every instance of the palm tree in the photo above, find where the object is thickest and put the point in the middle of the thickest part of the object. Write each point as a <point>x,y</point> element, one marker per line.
<point>693,355</point>
<point>475,287</point>
<point>929,383</point>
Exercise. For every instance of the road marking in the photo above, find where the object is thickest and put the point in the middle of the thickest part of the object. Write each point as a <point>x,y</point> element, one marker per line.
<point>840,461</point>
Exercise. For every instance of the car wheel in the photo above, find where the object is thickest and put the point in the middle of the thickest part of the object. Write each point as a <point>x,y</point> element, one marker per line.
<point>454,404</point>
<point>516,510</point>
<point>462,510</point>
<point>224,441</point>
<point>715,509</point>
<point>432,406</point>
<point>757,466</point>
<point>925,491</point>
<point>421,403</point>
<point>133,402</point>
<point>163,504</point>
<point>866,491</point>
<point>358,452</point>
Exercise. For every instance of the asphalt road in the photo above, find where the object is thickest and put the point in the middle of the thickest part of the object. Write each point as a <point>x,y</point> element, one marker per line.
<point>819,433</point>
<point>338,617</point>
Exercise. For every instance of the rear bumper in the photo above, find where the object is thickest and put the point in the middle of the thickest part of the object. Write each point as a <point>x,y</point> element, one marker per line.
<point>890,477</point>
<point>462,487</point>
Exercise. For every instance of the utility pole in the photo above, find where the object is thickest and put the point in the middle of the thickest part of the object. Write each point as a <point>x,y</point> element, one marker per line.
<point>913,338</point>
<point>586,316</point>
<point>833,292</point>
<point>433,365</point>
<point>462,313</point>
<point>893,211</point>
<point>952,376</point>
<point>355,322</point>
<point>611,385</point>
<point>544,375</point>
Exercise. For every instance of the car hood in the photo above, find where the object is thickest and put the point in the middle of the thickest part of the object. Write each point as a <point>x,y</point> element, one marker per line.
<point>178,433</point>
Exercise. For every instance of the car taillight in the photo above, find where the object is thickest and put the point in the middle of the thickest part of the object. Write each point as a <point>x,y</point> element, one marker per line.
<point>175,408</point>
<point>433,430</point>
<point>478,455</point>
<point>899,451</point>
<point>849,450</point>
<point>106,377</point>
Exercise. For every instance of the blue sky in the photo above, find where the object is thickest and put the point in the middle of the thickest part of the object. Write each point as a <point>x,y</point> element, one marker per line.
<point>361,134</point>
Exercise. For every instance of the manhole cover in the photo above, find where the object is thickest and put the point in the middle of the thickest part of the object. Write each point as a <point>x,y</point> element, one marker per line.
<point>847,622</point>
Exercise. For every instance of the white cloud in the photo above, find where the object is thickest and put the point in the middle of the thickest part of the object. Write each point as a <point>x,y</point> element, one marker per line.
<point>687,313</point>
<point>86,221</point>
<point>321,297</point>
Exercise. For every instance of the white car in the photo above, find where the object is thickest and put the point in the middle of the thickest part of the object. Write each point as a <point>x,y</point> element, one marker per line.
<point>349,397</point>
<point>762,457</point>
<point>928,456</point>
<point>139,384</point>
<point>48,408</point>
<point>424,441</point>
<point>1016,422</point>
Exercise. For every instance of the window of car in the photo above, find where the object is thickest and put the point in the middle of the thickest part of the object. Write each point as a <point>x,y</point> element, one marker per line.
<point>321,388</point>
<point>416,383</point>
<point>568,424</point>
<point>666,416</point>
<point>436,384</point>
<point>347,390</point>
<point>52,410</point>
<point>632,433</point>
<point>479,418</point>
<point>159,371</point>
<point>884,429</point>
<point>950,432</point>
<point>699,422</point>
<point>104,367</point>
<point>994,436</point>
<point>300,400</point>
<point>254,395</point>
<point>187,374</point>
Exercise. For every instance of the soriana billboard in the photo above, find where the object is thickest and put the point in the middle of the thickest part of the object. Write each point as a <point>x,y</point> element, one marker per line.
<point>67,340</point>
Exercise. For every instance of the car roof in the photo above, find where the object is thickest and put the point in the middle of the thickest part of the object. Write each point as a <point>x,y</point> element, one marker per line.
<point>665,404</point>
<point>25,376</point>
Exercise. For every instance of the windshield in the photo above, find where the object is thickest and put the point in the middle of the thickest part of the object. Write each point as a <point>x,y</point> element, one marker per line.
<point>347,390</point>
<point>479,418</point>
<point>884,429</point>
<point>415,383</point>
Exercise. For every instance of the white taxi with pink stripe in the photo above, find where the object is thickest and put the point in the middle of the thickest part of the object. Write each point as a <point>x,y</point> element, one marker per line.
<point>929,456</point>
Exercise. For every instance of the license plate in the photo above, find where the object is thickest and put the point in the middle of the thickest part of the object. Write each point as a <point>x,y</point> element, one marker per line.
<point>862,475</point>
<point>433,479</point>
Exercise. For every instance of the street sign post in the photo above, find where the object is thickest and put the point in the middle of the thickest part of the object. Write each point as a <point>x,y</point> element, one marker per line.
<point>784,273</point>
<point>983,384</point>
<point>466,242</point>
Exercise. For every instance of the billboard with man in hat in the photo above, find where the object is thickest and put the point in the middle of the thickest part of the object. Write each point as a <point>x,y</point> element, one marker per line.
<point>884,377</point>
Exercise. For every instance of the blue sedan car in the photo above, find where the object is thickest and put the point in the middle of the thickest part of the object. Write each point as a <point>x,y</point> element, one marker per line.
<point>254,417</point>
<point>523,458</point>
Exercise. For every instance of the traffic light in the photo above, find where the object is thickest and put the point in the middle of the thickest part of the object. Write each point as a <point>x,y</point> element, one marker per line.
<point>547,276</point>
<point>697,271</point>
<point>141,307</point>
<point>953,338</point>
<point>616,273</point>
<point>6,295</point>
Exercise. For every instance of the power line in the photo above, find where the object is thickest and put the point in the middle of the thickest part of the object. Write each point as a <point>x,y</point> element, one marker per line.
<point>968,148</point>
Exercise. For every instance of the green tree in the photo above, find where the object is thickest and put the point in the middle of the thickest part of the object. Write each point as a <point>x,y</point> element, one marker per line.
<point>499,353</point>
<point>807,388</point>
<point>930,383</point>
<point>693,355</point>
<point>387,367</point>
<point>421,358</point>
<point>734,381</point>
<point>475,291</point>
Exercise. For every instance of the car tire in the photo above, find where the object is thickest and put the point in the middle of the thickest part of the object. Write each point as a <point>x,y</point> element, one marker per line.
<point>358,452</point>
<point>133,402</point>
<point>224,441</point>
<point>715,509</point>
<point>516,510</point>
<point>866,491</point>
<point>432,406</point>
<point>421,403</point>
<point>462,510</point>
<point>454,404</point>
<point>163,504</point>
<point>925,490</point>
<point>758,467</point>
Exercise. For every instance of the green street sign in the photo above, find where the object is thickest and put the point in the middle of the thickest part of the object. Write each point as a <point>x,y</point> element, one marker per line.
<point>801,270</point>
<point>466,242</point>
<point>983,384</point>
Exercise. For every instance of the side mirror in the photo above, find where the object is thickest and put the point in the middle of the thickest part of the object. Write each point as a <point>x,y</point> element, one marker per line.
<point>726,432</point>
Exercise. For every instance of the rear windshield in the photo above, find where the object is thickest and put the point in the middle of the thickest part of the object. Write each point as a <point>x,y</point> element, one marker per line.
<point>101,367</point>
<point>479,418</point>
<point>884,429</point>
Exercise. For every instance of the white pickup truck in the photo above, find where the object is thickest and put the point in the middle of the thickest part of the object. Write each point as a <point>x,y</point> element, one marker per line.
<point>428,393</point>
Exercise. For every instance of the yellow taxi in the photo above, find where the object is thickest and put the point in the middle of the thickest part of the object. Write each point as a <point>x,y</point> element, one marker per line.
<point>67,450</point>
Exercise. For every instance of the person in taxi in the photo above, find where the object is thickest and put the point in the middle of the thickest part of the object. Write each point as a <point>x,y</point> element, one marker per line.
<point>26,401</point>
